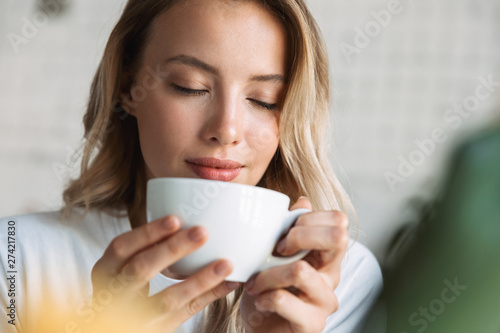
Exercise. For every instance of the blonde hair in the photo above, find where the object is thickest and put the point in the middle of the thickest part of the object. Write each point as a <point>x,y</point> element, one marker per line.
<point>112,171</point>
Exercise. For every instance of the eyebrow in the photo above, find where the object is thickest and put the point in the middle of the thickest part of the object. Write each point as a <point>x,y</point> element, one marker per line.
<point>197,63</point>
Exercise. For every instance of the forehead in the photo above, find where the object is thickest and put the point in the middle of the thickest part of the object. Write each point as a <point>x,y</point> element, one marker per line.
<point>221,33</point>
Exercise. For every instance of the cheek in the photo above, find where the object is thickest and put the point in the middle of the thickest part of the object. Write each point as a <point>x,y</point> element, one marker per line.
<point>264,139</point>
<point>162,117</point>
<point>164,129</point>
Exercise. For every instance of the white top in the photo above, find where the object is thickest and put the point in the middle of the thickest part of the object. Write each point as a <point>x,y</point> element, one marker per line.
<point>54,259</point>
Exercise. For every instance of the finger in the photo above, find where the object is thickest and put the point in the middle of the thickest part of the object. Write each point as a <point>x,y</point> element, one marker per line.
<point>146,264</point>
<point>176,318</point>
<point>302,202</point>
<point>299,275</point>
<point>324,218</point>
<point>314,238</point>
<point>302,316</point>
<point>193,294</point>
<point>126,245</point>
<point>197,304</point>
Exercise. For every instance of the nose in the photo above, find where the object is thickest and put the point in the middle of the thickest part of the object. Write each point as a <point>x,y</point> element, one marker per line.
<point>223,125</point>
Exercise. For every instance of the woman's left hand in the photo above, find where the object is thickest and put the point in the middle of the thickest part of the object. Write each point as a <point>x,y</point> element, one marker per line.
<point>298,297</point>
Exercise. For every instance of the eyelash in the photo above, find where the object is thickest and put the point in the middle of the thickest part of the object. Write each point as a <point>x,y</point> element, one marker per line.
<point>190,92</point>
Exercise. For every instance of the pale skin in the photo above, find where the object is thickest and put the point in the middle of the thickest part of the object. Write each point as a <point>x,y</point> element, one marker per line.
<point>220,110</point>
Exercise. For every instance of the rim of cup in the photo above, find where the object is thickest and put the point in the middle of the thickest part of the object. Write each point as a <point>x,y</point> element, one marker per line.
<point>220,183</point>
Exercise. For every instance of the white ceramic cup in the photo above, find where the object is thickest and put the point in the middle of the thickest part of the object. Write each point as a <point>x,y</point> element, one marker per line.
<point>244,222</point>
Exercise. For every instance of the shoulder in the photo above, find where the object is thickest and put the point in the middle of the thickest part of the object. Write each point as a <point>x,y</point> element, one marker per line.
<point>28,229</point>
<point>51,237</point>
<point>53,226</point>
<point>65,244</point>
<point>359,262</point>
<point>361,276</point>
<point>359,287</point>
<point>47,219</point>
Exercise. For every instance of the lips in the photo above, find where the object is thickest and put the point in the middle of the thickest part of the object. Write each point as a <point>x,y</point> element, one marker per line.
<point>214,168</point>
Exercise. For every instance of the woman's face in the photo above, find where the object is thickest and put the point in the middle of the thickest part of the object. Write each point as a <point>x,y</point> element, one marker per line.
<point>207,95</point>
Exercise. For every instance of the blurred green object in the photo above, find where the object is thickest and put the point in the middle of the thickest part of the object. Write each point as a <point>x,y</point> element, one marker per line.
<point>448,279</point>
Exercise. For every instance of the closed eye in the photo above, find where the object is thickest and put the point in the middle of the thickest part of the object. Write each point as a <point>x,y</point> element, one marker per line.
<point>190,92</point>
<point>187,91</point>
<point>267,106</point>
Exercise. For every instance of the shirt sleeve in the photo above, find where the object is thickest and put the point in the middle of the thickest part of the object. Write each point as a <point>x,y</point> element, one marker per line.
<point>359,287</point>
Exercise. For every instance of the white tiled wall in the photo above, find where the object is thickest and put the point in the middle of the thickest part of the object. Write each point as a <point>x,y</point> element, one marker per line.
<point>393,91</point>
<point>44,86</point>
<point>397,89</point>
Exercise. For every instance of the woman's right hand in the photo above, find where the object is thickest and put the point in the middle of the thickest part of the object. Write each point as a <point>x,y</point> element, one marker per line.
<point>121,278</point>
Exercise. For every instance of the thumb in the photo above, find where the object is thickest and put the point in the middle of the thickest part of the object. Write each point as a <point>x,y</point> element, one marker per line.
<point>302,202</point>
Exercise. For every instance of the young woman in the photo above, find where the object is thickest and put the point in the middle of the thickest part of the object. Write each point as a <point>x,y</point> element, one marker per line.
<point>226,90</point>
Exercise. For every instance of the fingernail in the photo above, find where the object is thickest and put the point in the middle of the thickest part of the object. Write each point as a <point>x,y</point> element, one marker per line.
<point>231,285</point>
<point>222,268</point>
<point>281,246</point>
<point>196,234</point>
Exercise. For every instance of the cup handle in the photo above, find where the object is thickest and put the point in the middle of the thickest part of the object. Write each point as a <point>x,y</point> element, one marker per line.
<point>273,261</point>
